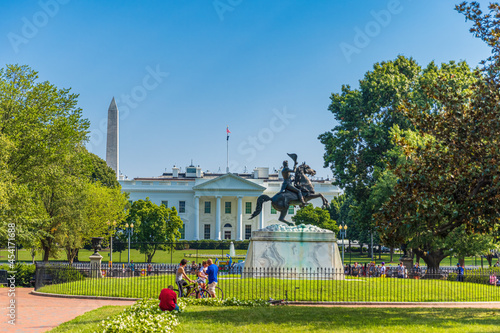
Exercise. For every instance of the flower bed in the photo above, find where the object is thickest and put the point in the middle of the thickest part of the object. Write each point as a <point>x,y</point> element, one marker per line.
<point>146,316</point>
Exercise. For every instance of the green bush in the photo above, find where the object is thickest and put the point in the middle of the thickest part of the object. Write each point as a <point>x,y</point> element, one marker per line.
<point>481,276</point>
<point>65,274</point>
<point>24,273</point>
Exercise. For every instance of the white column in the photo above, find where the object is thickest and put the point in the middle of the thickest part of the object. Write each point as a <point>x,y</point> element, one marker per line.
<point>261,216</point>
<point>239,219</point>
<point>196,217</point>
<point>217,218</point>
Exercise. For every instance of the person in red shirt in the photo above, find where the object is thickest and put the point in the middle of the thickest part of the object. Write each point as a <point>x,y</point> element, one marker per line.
<point>168,299</point>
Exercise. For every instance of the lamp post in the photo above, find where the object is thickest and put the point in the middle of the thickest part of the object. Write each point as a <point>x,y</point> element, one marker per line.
<point>343,233</point>
<point>111,226</point>
<point>130,231</point>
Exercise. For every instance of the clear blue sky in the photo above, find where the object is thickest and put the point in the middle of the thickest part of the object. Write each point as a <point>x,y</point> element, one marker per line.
<point>264,68</point>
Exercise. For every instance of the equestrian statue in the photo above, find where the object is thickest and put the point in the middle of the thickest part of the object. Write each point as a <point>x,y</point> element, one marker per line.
<point>294,191</point>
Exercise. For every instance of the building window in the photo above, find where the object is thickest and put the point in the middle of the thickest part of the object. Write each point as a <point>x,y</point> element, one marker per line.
<point>208,207</point>
<point>228,225</point>
<point>165,203</point>
<point>248,208</point>
<point>227,234</point>
<point>248,231</point>
<point>182,206</point>
<point>183,231</point>
<point>227,207</point>
<point>206,231</point>
<point>273,211</point>
<point>291,209</point>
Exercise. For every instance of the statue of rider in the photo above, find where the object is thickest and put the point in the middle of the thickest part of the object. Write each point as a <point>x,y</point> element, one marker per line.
<point>287,179</point>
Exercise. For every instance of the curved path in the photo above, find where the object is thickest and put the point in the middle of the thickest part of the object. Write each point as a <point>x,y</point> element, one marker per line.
<point>40,314</point>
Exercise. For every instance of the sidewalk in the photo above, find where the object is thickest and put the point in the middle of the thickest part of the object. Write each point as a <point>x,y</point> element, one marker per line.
<point>41,314</point>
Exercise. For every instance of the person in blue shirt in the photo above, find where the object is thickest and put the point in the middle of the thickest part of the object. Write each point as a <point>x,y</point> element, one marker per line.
<point>460,273</point>
<point>212,271</point>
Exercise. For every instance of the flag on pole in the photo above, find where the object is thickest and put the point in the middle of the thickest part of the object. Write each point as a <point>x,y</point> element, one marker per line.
<point>227,132</point>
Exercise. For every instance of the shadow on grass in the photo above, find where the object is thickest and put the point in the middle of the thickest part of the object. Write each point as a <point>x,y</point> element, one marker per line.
<point>348,318</point>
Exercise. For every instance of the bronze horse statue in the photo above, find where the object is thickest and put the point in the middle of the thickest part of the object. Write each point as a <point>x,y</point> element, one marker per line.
<point>280,201</point>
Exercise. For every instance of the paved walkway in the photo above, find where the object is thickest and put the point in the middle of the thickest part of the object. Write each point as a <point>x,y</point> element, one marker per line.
<point>41,314</point>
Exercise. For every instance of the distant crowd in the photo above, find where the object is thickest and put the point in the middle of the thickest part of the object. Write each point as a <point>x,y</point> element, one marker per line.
<point>381,270</point>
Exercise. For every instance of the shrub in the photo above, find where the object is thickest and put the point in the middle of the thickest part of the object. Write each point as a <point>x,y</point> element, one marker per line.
<point>65,274</point>
<point>24,273</point>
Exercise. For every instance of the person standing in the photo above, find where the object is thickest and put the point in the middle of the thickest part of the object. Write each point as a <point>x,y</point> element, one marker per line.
<point>212,272</point>
<point>460,273</point>
<point>132,268</point>
<point>355,270</point>
<point>401,270</point>
<point>168,299</point>
<point>382,270</point>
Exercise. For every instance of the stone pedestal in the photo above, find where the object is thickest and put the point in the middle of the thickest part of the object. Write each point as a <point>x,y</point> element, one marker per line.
<point>95,265</point>
<point>294,251</point>
<point>407,263</point>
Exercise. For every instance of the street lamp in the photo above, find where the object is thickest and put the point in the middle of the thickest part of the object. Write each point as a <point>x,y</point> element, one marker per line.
<point>111,225</point>
<point>343,234</point>
<point>129,231</point>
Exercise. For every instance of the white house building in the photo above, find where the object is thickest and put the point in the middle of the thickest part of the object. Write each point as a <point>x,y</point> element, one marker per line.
<point>218,206</point>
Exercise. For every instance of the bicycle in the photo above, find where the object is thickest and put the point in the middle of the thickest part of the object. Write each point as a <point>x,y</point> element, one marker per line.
<point>197,292</point>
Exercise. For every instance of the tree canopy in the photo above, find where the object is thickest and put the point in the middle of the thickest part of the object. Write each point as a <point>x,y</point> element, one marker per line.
<point>50,186</point>
<point>315,216</point>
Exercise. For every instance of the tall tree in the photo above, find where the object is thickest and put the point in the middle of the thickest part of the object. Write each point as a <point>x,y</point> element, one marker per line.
<point>153,226</point>
<point>453,181</point>
<point>358,144</point>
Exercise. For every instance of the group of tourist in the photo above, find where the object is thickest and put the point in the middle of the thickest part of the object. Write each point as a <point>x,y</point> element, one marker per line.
<point>370,270</point>
<point>207,270</point>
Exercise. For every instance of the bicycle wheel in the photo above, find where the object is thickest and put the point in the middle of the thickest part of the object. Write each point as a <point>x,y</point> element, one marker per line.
<point>218,293</point>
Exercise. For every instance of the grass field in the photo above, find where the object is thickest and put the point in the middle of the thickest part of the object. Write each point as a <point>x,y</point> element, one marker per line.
<point>348,290</point>
<point>202,319</point>
<point>89,321</point>
<point>176,256</point>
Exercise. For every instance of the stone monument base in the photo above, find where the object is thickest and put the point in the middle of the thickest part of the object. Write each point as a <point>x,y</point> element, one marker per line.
<point>303,251</point>
<point>95,265</point>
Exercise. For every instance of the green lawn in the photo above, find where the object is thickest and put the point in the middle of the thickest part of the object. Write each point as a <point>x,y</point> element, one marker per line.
<point>348,290</point>
<point>160,257</point>
<point>177,255</point>
<point>88,321</point>
<point>202,319</point>
<point>308,319</point>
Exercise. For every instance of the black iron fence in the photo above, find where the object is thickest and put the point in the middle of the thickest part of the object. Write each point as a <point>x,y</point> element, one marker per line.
<point>307,285</point>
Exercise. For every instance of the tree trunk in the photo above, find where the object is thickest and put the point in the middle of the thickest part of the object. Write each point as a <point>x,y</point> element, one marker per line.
<point>33,254</point>
<point>489,257</point>
<point>46,253</point>
<point>392,253</point>
<point>432,259</point>
<point>461,261</point>
<point>70,254</point>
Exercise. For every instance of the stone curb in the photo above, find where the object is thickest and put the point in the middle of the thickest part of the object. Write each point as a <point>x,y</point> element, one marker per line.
<point>108,298</point>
